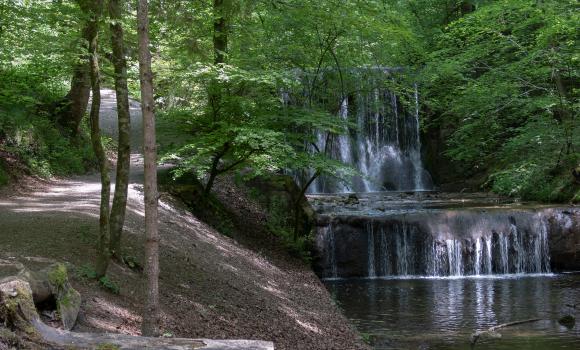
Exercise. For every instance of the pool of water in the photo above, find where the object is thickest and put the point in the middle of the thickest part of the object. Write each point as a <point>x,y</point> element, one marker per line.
<point>442,313</point>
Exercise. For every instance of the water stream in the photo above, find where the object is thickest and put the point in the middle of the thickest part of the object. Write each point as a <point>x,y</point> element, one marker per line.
<point>416,269</point>
<point>442,313</point>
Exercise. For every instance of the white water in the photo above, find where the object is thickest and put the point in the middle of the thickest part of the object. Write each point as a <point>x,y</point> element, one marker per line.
<point>385,146</point>
<point>484,244</point>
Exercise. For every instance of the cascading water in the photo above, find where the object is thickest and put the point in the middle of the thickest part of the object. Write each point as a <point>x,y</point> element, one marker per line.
<point>392,237</point>
<point>385,146</point>
<point>446,243</point>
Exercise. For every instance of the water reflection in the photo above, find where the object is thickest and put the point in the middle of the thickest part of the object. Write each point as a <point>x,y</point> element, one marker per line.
<point>442,313</point>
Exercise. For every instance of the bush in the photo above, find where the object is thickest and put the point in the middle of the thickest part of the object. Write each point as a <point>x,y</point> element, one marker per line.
<point>531,181</point>
<point>27,128</point>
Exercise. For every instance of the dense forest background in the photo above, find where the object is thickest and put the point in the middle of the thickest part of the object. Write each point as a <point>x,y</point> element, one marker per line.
<point>498,84</point>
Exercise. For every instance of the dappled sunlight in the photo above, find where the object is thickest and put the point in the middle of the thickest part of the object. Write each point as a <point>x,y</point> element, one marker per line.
<point>272,288</point>
<point>229,267</point>
<point>111,317</point>
<point>299,320</point>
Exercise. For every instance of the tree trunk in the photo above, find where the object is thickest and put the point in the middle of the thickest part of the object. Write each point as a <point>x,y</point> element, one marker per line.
<point>150,326</point>
<point>297,203</point>
<point>220,31</point>
<point>77,99</point>
<point>118,208</point>
<point>103,255</point>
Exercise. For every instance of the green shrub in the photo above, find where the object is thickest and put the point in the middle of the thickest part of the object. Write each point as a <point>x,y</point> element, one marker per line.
<point>532,181</point>
<point>28,129</point>
<point>280,223</point>
<point>88,272</point>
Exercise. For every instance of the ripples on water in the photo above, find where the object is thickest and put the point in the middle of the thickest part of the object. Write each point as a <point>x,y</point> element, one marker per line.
<point>442,313</point>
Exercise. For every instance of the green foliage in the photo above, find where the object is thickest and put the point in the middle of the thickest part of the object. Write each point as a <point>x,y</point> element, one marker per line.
<point>109,285</point>
<point>206,207</point>
<point>366,337</point>
<point>234,128</point>
<point>28,129</point>
<point>58,275</point>
<point>280,223</point>
<point>502,80</point>
<point>88,272</point>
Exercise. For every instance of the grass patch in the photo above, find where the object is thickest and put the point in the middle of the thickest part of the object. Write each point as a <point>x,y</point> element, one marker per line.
<point>88,272</point>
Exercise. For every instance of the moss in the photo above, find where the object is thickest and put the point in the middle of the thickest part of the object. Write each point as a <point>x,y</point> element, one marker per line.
<point>58,275</point>
<point>65,299</point>
<point>108,346</point>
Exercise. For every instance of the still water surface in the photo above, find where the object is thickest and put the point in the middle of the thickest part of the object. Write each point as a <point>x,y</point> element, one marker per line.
<point>442,313</point>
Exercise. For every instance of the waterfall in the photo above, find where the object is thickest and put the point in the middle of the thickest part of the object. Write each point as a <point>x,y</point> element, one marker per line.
<point>503,253</point>
<point>461,243</point>
<point>455,257</point>
<point>488,259</point>
<point>371,250</point>
<point>385,145</point>
<point>329,246</point>
<point>478,256</point>
<point>415,151</point>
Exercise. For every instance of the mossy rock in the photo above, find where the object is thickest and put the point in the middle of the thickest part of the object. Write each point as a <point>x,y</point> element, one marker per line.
<point>68,300</point>
<point>57,275</point>
<point>17,307</point>
<point>52,281</point>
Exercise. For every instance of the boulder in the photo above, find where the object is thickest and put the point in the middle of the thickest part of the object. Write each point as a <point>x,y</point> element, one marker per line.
<point>50,284</point>
<point>20,323</point>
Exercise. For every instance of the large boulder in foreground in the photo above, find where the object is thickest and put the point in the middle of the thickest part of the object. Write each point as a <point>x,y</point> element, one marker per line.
<point>49,285</point>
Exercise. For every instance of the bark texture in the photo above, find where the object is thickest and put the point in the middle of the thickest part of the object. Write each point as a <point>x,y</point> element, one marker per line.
<point>94,8</point>
<point>150,326</point>
<point>77,99</point>
<point>117,217</point>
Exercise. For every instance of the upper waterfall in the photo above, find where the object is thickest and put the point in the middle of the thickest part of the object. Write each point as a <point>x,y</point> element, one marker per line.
<point>383,143</point>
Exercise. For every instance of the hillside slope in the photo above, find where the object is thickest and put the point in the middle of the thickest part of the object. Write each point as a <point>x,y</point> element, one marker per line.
<point>211,286</point>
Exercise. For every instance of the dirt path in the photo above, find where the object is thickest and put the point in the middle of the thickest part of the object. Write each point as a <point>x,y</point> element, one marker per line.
<point>211,286</point>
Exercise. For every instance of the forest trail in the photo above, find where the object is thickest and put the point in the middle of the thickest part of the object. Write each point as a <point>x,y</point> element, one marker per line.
<point>210,286</point>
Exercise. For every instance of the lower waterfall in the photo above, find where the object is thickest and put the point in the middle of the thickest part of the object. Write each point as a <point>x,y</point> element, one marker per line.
<point>446,243</point>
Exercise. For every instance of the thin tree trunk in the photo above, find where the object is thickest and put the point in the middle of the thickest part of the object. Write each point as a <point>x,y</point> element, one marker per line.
<point>220,31</point>
<point>297,204</point>
<point>150,325</point>
<point>103,255</point>
<point>118,208</point>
